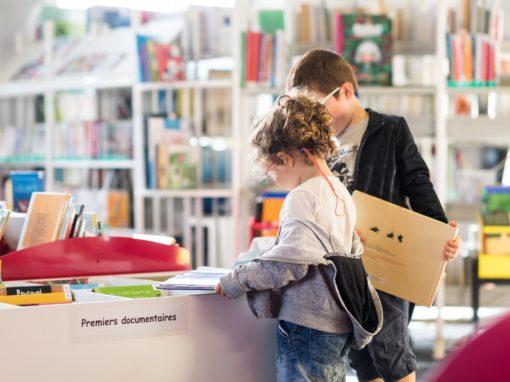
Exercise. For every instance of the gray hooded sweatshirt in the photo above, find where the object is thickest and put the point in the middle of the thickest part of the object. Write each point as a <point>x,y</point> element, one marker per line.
<point>286,283</point>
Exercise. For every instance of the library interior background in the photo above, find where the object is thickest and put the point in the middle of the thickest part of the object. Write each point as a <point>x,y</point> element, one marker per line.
<point>128,184</point>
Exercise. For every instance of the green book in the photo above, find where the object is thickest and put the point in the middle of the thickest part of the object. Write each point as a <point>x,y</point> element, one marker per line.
<point>271,20</point>
<point>243,59</point>
<point>130,291</point>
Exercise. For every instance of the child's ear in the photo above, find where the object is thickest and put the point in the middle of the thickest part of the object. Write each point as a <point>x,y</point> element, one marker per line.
<point>285,159</point>
<point>348,90</point>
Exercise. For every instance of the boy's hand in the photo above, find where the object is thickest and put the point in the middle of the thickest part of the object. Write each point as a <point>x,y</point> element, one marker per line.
<point>452,247</point>
<point>219,291</point>
<point>360,234</point>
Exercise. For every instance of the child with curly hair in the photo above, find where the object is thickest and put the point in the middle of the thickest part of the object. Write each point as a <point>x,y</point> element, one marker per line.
<point>323,304</point>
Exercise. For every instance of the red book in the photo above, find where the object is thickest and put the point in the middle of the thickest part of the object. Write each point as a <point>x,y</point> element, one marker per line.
<point>162,56</point>
<point>249,56</point>
<point>491,63</point>
<point>339,34</point>
<point>485,61</point>
<point>257,37</point>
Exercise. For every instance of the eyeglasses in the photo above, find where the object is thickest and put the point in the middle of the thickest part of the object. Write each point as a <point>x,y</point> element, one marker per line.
<point>326,98</point>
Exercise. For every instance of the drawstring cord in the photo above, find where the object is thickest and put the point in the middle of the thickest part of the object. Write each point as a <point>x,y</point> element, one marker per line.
<point>337,198</point>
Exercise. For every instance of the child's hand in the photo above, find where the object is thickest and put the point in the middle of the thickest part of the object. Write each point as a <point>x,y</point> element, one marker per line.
<point>219,291</point>
<point>452,247</point>
<point>360,234</point>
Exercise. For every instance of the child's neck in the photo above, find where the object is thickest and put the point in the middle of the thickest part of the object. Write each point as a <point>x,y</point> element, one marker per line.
<point>310,172</point>
<point>359,115</point>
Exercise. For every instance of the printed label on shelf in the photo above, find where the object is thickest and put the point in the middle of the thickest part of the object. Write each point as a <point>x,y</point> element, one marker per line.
<point>126,319</point>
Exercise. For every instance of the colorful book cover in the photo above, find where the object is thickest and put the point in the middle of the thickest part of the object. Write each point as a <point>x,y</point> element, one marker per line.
<point>23,184</point>
<point>129,291</point>
<point>367,45</point>
<point>182,169</point>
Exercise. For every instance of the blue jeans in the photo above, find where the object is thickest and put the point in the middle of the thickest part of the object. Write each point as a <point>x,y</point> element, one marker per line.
<point>305,354</point>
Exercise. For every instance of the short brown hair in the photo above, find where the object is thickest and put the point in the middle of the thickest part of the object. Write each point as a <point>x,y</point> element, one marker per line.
<point>321,70</point>
<point>294,123</point>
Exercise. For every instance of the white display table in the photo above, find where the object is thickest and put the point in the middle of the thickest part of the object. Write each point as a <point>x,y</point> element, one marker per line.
<point>171,338</point>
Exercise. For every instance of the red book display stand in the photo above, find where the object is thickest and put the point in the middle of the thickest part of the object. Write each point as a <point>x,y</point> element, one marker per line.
<point>93,256</point>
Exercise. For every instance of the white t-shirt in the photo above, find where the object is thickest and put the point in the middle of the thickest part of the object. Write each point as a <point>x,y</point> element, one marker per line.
<point>314,200</point>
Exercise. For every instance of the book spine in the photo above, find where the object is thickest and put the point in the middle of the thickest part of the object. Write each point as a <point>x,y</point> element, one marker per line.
<point>23,290</point>
<point>243,59</point>
<point>339,34</point>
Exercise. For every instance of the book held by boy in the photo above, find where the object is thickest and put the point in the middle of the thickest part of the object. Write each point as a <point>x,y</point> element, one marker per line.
<point>403,250</point>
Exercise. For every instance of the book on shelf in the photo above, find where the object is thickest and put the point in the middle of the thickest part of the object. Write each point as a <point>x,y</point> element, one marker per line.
<point>365,41</point>
<point>22,185</point>
<point>158,61</point>
<point>94,140</point>
<point>4,218</point>
<point>216,161</point>
<point>472,59</point>
<point>118,208</point>
<point>485,17</point>
<point>45,217</point>
<point>22,143</point>
<point>177,166</point>
<point>162,130</point>
<point>36,295</point>
<point>211,31</point>
<point>129,291</point>
<point>313,24</point>
<point>264,58</point>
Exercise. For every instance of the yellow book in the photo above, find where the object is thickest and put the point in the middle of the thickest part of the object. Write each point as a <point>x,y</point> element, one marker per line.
<point>45,217</point>
<point>60,294</point>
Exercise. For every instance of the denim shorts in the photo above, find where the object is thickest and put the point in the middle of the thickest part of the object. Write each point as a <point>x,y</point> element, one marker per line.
<point>305,354</point>
<point>389,356</point>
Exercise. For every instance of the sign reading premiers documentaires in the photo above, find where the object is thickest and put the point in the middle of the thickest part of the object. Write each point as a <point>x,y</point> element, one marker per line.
<point>124,319</point>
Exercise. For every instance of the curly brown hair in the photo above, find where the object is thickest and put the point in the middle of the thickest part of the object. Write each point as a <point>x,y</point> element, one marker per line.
<point>295,123</point>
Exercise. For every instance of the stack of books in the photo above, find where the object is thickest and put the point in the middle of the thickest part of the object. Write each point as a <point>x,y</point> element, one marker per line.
<point>472,59</point>
<point>22,143</point>
<point>94,140</point>
<point>53,216</point>
<point>264,59</point>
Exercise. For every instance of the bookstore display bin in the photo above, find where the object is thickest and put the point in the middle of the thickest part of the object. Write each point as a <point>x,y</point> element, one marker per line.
<point>180,336</point>
<point>93,256</point>
<point>203,338</point>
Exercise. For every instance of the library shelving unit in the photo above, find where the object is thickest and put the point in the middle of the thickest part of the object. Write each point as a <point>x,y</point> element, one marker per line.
<point>54,153</point>
<point>200,214</point>
<point>192,199</point>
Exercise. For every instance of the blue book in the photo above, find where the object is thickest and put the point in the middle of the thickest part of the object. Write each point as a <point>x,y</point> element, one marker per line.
<point>23,184</point>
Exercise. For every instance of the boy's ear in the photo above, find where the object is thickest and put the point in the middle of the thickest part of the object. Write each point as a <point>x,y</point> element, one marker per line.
<point>348,90</point>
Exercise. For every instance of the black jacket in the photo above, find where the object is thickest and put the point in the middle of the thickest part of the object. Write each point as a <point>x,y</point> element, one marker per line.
<point>389,166</point>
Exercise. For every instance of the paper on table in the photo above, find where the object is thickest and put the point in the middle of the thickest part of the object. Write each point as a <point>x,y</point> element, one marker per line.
<point>403,249</point>
<point>202,278</point>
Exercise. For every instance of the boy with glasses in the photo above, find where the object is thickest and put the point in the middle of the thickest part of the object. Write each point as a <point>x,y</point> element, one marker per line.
<point>377,155</point>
